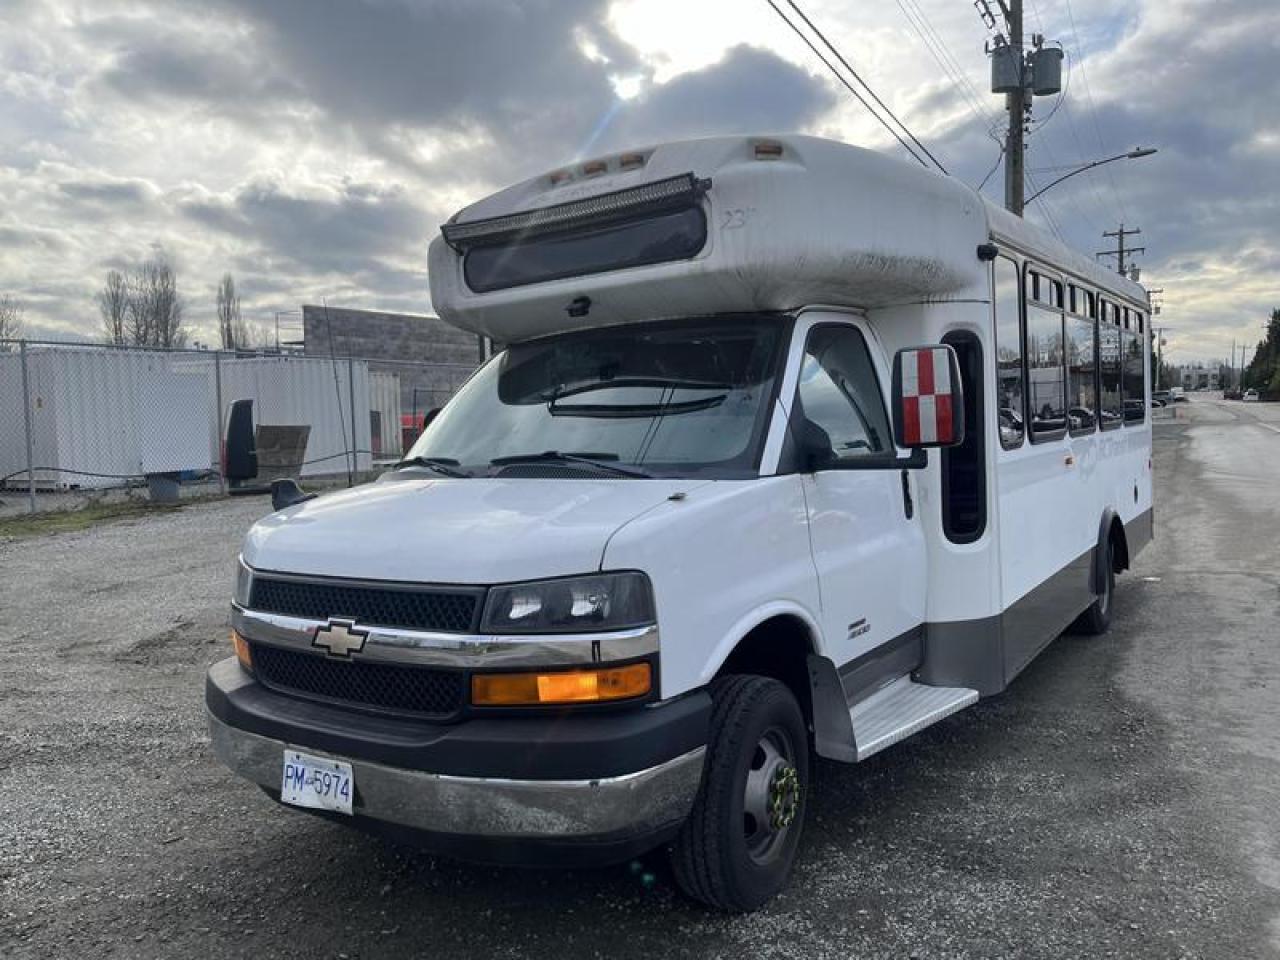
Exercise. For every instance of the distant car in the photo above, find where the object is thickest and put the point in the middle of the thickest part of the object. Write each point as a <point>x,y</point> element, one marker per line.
<point>1161,395</point>
<point>1177,394</point>
<point>1251,394</point>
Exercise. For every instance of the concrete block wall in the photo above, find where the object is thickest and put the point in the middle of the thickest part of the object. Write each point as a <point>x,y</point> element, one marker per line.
<point>403,342</point>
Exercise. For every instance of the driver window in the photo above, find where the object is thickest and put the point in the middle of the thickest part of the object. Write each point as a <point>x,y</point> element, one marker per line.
<point>840,394</point>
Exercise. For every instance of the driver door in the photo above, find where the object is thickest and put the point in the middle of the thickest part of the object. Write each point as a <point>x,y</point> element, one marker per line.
<point>869,554</point>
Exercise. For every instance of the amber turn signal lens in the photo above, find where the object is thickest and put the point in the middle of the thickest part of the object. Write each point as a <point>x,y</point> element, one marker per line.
<point>568,686</point>
<point>241,646</point>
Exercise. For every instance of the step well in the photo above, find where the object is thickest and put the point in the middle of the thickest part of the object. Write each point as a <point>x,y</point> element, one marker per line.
<point>900,709</point>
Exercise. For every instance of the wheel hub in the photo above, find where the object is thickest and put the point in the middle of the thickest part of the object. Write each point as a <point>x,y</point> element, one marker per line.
<point>784,796</point>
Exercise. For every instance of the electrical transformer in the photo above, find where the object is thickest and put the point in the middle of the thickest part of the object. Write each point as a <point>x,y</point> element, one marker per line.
<point>1006,69</point>
<point>1046,71</point>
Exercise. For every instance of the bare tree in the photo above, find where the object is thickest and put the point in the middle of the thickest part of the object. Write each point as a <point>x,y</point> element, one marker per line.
<point>113,303</point>
<point>10,319</point>
<point>155,306</point>
<point>233,330</point>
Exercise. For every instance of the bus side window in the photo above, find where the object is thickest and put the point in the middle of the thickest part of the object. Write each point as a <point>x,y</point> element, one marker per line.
<point>838,392</point>
<point>1082,390</point>
<point>1007,299</point>
<point>1047,390</point>
<point>1134,377</point>
<point>1111,403</point>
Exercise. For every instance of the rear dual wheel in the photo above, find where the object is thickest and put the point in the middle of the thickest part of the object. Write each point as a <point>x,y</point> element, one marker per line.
<point>736,849</point>
<point>1096,620</point>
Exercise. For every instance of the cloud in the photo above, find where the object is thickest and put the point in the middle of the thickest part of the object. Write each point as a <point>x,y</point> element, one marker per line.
<point>748,90</point>
<point>314,148</point>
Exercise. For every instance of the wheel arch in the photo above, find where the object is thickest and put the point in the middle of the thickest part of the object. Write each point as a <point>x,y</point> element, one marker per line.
<point>1110,532</point>
<point>785,644</point>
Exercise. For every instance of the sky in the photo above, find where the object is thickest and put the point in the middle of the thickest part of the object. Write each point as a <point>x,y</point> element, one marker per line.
<point>313,147</point>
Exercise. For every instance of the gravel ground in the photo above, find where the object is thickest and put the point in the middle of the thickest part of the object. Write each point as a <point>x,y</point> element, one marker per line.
<point>1118,801</point>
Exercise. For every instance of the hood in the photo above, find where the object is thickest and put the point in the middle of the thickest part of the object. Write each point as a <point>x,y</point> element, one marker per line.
<point>441,530</point>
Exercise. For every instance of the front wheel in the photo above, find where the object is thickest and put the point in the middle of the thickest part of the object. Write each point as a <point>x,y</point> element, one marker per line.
<point>736,849</point>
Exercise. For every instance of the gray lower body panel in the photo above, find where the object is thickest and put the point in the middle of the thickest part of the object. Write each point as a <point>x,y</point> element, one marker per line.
<point>987,653</point>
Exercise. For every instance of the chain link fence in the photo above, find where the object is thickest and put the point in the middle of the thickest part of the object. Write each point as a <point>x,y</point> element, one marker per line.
<point>80,422</point>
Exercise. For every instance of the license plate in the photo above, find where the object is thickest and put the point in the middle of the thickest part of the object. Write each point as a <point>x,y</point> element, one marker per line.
<point>316,782</point>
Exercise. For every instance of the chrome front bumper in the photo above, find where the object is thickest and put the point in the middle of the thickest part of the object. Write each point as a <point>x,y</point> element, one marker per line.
<point>635,804</point>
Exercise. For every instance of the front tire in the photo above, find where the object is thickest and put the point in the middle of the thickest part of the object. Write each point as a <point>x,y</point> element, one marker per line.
<point>736,849</point>
<point>1096,621</point>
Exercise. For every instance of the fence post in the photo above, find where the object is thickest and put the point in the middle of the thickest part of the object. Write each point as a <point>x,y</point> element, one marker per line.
<point>217,398</point>
<point>26,416</point>
<point>351,398</point>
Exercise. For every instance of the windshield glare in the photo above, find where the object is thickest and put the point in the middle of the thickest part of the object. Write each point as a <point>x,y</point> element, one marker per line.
<point>676,398</point>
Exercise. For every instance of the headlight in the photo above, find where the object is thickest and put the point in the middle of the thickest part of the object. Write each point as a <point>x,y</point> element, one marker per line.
<point>244,584</point>
<point>607,601</point>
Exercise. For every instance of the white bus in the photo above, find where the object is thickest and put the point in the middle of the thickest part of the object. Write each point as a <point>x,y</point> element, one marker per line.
<point>785,448</point>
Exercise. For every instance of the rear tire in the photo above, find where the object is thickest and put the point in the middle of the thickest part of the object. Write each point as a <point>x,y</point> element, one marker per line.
<point>1096,621</point>
<point>736,849</point>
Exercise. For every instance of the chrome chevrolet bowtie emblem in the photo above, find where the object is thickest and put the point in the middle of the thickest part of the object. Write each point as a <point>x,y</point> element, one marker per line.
<point>340,638</point>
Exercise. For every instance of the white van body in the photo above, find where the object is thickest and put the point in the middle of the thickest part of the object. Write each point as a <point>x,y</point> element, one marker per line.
<point>881,596</point>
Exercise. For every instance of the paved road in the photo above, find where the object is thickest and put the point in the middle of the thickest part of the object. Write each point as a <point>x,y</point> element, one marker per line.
<point>1121,799</point>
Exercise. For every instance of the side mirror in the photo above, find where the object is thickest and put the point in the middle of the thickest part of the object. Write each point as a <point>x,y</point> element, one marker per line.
<point>815,451</point>
<point>286,492</point>
<point>239,457</point>
<point>928,397</point>
<point>431,415</point>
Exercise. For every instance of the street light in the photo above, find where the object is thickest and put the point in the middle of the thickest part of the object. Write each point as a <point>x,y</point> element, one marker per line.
<point>1134,154</point>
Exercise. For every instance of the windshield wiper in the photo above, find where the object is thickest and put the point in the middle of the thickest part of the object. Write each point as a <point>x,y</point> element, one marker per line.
<point>443,465</point>
<point>672,383</point>
<point>623,411</point>
<point>597,460</point>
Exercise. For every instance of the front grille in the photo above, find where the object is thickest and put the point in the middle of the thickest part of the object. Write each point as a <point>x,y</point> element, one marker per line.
<point>422,691</point>
<point>454,610</point>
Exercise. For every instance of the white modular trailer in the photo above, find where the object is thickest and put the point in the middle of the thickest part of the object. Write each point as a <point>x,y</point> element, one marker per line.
<point>306,390</point>
<point>384,411</point>
<point>100,416</point>
<point>828,231</point>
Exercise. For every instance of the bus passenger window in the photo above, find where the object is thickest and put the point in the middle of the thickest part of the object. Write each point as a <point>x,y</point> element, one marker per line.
<point>1009,389</point>
<point>1111,407</point>
<point>964,481</point>
<point>1045,366</point>
<point>839,393</point>
<point>1082,401</point>
<point>1135,400</point>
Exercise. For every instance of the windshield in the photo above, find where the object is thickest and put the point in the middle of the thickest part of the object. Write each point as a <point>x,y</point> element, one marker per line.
<point>675,398</point>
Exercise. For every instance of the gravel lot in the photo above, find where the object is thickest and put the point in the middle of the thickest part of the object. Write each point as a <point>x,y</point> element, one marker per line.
<point>1120,800</point>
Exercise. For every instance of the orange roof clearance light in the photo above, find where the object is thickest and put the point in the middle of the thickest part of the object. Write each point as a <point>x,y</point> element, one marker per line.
<point>768,150</point>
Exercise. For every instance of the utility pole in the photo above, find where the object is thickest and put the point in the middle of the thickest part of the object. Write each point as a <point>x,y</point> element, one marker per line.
<point>1121,250</point>
<point>1018,106</point>
<point>1019,76</point>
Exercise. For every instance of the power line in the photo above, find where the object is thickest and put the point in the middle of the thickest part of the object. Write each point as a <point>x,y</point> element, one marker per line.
<point>848,86</point>
<point>849,67</point>
<point>942,55</point>
<point>994,167</point>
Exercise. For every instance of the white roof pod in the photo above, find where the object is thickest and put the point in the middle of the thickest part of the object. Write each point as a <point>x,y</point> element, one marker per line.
<point>789,221</point>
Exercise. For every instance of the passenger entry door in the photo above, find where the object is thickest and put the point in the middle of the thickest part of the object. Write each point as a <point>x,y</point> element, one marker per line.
<point>869,554</point>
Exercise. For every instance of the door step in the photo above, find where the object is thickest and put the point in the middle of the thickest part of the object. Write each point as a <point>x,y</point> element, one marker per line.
<point>900,709</point>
